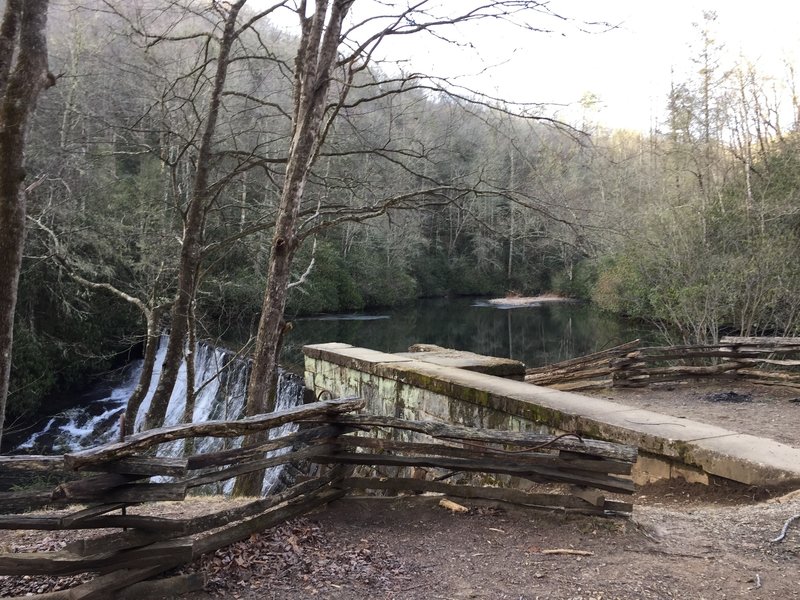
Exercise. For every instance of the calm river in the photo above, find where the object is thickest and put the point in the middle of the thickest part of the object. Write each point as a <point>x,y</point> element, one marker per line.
<point>535,335</point>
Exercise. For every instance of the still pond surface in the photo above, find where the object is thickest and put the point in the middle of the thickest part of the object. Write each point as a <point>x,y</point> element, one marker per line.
<point>536,335</point>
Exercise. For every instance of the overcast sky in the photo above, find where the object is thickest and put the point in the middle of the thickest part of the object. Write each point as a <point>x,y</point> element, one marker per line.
<point>629,67</point>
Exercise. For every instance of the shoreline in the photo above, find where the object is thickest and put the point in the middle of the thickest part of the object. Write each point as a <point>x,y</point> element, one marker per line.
<point>529,300</point>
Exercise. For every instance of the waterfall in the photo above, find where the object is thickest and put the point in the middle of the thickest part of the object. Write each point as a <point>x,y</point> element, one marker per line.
<point>221,381</point>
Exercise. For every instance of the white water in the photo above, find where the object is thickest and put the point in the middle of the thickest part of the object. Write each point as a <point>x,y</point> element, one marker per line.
<point>221,387</point>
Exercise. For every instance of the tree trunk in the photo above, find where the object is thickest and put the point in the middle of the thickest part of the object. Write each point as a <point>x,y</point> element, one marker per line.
<point>191,380</point>
<point>316,55</point>
<point>194,225</point>
<point>22,37</point>
<point>143,385</point>
<point>179,316</point>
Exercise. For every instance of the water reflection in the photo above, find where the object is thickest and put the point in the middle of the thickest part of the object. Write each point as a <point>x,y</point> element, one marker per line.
<point>535,335</point>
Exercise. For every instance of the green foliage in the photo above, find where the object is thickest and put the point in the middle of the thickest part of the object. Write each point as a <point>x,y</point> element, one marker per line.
<point>577,281</point>
<point>330,286</point>
<point>60,345</point>
<point>32,374</point>
<point>620,287</point>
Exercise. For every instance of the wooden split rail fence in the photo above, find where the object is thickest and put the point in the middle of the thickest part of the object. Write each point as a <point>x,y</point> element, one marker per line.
<point>346,449</point>
<point>765,360</point>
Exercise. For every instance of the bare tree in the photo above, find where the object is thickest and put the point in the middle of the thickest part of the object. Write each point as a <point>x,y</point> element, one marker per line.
<point>204,192</point>
<point>23,75</point>
<point>328,60</point>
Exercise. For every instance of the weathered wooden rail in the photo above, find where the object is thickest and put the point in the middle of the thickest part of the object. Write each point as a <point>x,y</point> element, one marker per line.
<point>763,360</point>
<point>351,453</point>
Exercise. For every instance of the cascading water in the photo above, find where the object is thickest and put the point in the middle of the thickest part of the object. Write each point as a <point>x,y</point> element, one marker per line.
<point>221,389</point>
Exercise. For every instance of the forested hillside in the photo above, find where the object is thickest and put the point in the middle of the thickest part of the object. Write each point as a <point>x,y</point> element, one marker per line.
<point>418,190</point>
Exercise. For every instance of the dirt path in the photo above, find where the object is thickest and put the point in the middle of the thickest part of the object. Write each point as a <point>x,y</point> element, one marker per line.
<point>411,548</point>
<point>763,410</point>
<point>683,542</point>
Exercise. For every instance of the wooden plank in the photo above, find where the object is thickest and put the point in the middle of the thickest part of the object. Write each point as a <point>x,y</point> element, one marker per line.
<point>581,360</point>
<point>540,474</point>
<point>101,588</point>
<point>225,457</point>
<point>65,563</point>
<point>758,374</point>
<point>565,460</point>
<point>690,355</point>
<point>129,493</point>
<point>762,340</point>
<point>146,439</point>
<point>142,522</point>
<point>255,465</point>
<point>533,441</point>
<point>546,379</point>
<point>89,512</point>
<point>590,495</point>
<point>133,538</point>
<point>770,361</point>
<point>31,462</point>
<point>24,500</point>
<point>125,584</point>
<point>509,495</point>
<point>583,385</point>
<point>617,506</point>
<point>90,488</point>
<point>146,466</point>
<point>688,370</point>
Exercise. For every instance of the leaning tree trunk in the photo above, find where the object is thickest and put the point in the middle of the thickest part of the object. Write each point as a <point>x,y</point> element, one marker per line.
<point>148,366</point>
<point>179,315</point>
<point>315,58</point>
<point>194,224</point>
<point>22,36</point>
